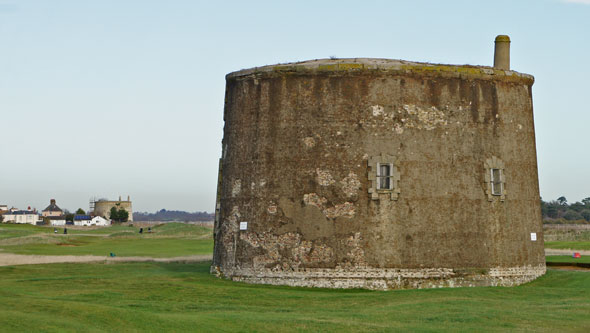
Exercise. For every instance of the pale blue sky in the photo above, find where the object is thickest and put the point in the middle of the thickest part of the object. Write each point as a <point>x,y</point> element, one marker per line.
<point>126,97</point>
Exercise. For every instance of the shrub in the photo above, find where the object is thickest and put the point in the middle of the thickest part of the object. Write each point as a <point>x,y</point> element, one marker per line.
<point>572,215</point>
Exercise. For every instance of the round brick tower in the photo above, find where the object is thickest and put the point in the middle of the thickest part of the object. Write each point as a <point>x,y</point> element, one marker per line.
<point>380,174</point>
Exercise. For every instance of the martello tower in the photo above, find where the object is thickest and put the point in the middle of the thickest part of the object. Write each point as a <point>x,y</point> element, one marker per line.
<point>379,173</point>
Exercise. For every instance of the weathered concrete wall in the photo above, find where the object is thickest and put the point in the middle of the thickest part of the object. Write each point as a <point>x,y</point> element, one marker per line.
<point>297,145</point>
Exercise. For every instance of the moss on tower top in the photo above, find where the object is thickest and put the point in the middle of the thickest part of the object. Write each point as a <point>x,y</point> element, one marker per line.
<point>390,66</point>
<point>502,38</point>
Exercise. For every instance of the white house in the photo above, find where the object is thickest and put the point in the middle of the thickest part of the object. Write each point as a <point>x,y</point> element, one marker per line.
<point>57,220</point>
<point>100,221</point>
<point>22,216</point>
<point>86,220</point>
<point>82,220</point>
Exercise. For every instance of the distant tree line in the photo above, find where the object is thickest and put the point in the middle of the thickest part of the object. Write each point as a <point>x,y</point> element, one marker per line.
<point>560,211</point>
<point>173,215</point>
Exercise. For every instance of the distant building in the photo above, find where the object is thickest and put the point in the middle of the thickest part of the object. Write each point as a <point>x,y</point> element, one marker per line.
<point>103,207</point>
<point>22,216</point>
<point>52,210</point>
<point>57,220</point>
<point>3,208</point>
<point>82,220</point>
<point>87,220</point>
<point>100,221</point>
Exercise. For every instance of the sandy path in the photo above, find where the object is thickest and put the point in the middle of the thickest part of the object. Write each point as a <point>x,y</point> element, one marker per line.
<point>558,252</point>
<point>9,259</point>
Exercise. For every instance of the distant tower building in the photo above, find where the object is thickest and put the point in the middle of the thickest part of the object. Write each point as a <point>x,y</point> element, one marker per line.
<point>102,207</point>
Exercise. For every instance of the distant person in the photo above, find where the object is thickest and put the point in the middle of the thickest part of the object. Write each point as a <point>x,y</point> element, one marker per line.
<point>141,230</point>
<point>150,229</point>
<point>55,230</point>
<point>65,231</point>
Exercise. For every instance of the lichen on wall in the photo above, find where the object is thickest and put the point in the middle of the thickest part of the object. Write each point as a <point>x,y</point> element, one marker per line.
<point>324,177</point>
<point>351,184</point>
<point>286,251</point>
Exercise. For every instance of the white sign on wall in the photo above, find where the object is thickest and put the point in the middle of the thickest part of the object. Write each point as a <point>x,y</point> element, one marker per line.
<point>243,225</point>
<point>533,236</point>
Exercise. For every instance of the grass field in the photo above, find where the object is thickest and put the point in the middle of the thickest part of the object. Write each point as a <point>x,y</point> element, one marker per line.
<point>578,245</point>
<point>167,240</point>
<point>185,297</point>
<point>583,259</point>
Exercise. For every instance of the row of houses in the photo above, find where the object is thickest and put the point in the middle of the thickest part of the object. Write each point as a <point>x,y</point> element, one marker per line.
<point>52,213</point>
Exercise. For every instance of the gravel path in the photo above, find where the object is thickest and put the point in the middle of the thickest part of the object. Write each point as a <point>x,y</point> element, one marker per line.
<point>559,252</point>
<point>9,259</point>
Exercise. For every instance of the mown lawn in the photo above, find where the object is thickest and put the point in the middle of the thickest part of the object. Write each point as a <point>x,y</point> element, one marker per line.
<point>20,230</point>
<point>120,246</point>
<point>568,259</point>
<point>577,245</point>
<point>185,297</point>
<point>167,240</point>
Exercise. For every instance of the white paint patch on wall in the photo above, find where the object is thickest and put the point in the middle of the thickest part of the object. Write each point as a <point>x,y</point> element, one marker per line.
<point>236,188</point>
<point>324,178</point>
<point>378,110</point>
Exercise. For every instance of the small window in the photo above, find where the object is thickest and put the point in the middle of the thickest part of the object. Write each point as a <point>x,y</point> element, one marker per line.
<point>384,174</point>
<point>496,181</point>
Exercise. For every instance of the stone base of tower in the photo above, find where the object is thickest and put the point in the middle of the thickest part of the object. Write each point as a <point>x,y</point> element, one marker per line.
<point>386,279</point>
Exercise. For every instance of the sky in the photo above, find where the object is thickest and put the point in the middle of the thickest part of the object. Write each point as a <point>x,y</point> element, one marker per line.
<point>111,97</point>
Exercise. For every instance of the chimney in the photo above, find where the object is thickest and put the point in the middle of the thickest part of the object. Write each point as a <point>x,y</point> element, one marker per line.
<point>119,198</point>
<point>502,52</point>
<point>52,201</point>
<point>128,198</point>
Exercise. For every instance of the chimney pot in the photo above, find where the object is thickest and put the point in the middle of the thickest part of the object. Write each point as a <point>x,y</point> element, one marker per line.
<point>502,52</point>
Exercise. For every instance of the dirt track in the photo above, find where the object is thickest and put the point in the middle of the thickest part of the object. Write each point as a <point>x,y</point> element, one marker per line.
<point>9,259</point>
<point>558,252</point>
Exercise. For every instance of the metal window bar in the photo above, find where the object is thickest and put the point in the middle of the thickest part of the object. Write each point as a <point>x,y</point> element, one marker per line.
<point>496,181</point>
<point>384,175</point>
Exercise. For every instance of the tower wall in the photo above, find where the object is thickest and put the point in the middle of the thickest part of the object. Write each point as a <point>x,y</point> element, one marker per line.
<point>300,151</point>
<point>103,208</point>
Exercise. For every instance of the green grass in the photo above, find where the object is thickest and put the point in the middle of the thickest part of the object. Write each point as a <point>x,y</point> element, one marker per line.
<point>185,297</point>
<point>577,245</point>
<point>169,240</point>
<point>583,259</point>
<point>149,247</point>
<point>20,230</point>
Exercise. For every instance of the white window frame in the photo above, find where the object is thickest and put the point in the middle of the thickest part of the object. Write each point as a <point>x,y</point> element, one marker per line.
<point>494,183</point>
<point>491,184</point>
<point>374,175</point>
